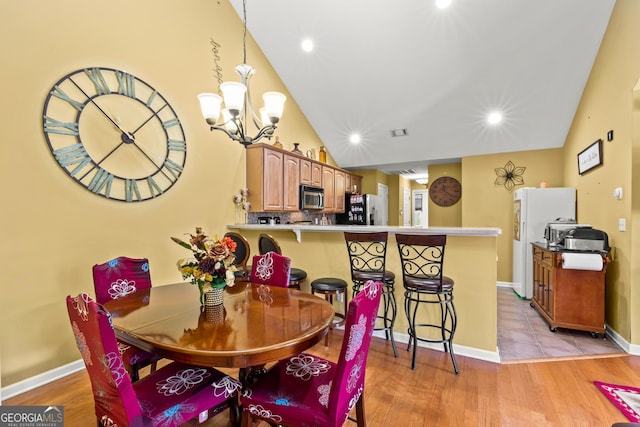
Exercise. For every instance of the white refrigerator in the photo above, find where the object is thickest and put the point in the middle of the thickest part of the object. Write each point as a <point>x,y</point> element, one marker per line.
<point>533,208</point>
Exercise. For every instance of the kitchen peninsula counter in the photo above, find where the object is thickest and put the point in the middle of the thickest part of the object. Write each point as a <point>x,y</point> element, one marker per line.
<point>470,260</point>
<point>298,229</point>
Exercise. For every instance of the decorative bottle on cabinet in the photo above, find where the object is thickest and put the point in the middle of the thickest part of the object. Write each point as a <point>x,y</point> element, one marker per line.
<point>277,143</point>
<point>322,155</point>
<point>296,149</point>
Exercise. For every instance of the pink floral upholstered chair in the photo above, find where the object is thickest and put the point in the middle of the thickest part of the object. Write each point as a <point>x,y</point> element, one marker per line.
<point>171,396</point>
<point>271,269</point>
<point>115,279</point>
<point>307,390</point>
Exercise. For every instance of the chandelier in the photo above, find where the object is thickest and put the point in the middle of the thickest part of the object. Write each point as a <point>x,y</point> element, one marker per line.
<point>238,110</point>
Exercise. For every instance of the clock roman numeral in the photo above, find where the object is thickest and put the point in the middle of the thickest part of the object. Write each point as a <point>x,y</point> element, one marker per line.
<point>101,182</point>
<point>151,98</point>
<point>59,93</point>
<point>170,123</point>
<point>153,187</point>
<point>131,190</point>
<point>177,145</point>
<point>98,80</point>
<point>126,84</point>
<point>173,168</point>
<point>63,128</point>
<point>71,155</point>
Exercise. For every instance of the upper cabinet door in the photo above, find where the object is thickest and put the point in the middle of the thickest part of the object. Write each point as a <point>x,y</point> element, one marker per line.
<point>329,185</point>
<point>339,188</point>
<point>305,171</point>
<point>291,182</point>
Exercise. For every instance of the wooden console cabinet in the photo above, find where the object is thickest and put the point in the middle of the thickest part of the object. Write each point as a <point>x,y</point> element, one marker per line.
<point>572,299</point>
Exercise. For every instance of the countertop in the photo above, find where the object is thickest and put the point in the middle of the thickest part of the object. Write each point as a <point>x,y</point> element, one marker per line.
<point>561,249</point>
<point>311,228</point>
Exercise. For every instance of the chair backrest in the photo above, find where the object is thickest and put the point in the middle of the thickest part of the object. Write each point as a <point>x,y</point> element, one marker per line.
<point>120,277</point>
<point>271,269</point>
<point>113,392</point>
<point>367,254</point>
<point>421,255</point>
<point>266,243</point>
<point>348,382</point>
<point>242,249</point>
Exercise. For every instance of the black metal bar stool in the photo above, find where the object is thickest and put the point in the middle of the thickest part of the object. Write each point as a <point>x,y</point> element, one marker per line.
<point>367,257</point>
<point>422,257</point>
<point>330,287</point>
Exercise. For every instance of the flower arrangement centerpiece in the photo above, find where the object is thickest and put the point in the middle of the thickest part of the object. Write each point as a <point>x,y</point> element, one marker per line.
<point>211,267</point>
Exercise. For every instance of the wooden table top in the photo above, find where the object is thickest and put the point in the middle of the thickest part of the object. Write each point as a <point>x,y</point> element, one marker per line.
<point>257,324</point>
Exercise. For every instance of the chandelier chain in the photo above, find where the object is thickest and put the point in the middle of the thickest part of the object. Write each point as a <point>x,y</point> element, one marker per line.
<point>244,34</point>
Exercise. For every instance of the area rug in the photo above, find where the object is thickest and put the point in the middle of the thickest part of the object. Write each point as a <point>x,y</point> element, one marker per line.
<point>626,399</point>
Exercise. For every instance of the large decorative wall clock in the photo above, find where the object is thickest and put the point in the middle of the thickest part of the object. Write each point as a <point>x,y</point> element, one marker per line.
<point>445,191</point>
<point>114,134</point>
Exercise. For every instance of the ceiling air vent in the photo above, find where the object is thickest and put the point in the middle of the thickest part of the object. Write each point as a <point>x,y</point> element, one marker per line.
<point>399,132</point>
<point>402,172</point>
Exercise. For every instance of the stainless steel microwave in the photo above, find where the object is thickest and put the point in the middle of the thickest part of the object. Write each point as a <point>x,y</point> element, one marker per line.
<point>311,197</point>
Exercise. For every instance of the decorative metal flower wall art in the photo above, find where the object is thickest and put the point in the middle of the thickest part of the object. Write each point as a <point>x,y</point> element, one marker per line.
<point>510,175</point>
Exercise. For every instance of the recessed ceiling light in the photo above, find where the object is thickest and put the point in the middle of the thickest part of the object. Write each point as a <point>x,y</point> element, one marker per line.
<point>307,45</point>
<point>443,4</point>
<point>355,138</point>
<point>494,117</point>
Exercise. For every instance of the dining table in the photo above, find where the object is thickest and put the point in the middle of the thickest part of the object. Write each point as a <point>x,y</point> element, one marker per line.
<point>255,325</point>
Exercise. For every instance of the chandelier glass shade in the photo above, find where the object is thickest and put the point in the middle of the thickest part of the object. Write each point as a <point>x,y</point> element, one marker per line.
<point>238,111</point>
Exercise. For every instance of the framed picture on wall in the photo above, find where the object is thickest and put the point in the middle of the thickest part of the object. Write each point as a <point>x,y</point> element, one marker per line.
<point>590,157</point>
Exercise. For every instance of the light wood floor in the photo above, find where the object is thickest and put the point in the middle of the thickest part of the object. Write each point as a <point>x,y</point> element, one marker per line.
<point>556,392</point>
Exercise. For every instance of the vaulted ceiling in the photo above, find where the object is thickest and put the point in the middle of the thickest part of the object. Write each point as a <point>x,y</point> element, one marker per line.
<point>384,65</point>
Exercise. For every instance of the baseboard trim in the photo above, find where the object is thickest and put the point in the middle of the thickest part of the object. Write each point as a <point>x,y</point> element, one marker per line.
<point>461,350</point>
<point>41,379</point>
<point>632,349</point>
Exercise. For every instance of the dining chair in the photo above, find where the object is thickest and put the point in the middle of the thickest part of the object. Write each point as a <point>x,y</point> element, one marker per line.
<point>266,243</point>
<point>115,279</point>
<point>308,390</point>
<point>271,269</point>
<point>242,253</point>
<point>422,259</point>
<point>170,396</point>
<point>367,261</point>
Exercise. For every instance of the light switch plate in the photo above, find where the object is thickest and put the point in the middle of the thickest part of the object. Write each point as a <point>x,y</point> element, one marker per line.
<point>622,224</point>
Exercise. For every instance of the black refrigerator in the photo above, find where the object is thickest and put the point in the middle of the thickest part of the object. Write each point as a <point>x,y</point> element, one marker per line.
<point>359,209</point>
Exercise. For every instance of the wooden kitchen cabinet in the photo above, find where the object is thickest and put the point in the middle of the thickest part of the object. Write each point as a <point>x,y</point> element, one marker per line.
<point>565,298</point>
<point>291,183</point>
<point>339,180</point>
<point>265,178</point>
<point>274,176</point>
<point>310,173</point>
<point>305,171</point>
<point>329,185</point>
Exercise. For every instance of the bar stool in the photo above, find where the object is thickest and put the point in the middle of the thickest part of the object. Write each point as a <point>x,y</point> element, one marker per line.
<point>266,243</point>
<point>422,258</point>
<point>330,287</point>
<point>367,257</point>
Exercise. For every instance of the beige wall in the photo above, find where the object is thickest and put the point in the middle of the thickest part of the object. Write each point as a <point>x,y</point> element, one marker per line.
<point>488,205</point>
<point>53,230</point>
<point>608,103</point>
